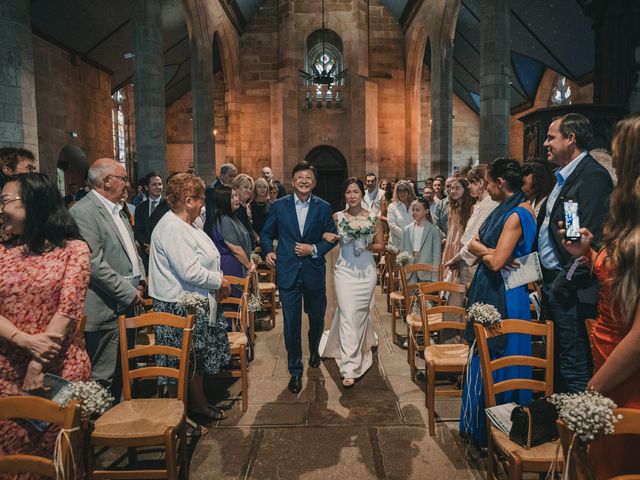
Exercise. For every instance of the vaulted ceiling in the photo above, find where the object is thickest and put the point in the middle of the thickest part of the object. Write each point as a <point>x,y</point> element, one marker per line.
<point>545,33</point>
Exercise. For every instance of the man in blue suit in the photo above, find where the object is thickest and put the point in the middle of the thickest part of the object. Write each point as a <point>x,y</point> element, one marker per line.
<point>298,221</point>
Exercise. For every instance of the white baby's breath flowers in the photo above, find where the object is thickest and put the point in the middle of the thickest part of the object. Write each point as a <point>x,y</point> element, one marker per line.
<point>255,258</point>
<point>94,399</point>
<point>484,314</point>
<point>391,249</point>
<point>588,414</point>
<point>193,302</point>
<point>357,227</point>
<point>404,258</point>
<point>254,302</point>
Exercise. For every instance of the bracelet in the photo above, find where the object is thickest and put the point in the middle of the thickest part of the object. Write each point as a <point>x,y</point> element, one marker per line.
<point>15,334</point>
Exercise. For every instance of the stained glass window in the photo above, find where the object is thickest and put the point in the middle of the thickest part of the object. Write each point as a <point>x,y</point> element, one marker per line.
<point>119,130</point>
<point>561,93</point>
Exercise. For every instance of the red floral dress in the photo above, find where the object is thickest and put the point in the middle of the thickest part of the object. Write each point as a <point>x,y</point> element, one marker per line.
<point>33,288</point>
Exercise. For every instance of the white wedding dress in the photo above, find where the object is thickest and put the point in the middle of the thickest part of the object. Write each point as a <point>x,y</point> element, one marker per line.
<point>351,336</point>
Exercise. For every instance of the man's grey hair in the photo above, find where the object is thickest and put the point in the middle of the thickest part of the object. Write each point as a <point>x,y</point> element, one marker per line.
<point>224,169</point>
<point>96,174</point>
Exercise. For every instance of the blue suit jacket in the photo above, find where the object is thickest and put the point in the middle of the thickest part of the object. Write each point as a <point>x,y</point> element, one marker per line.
<point>282,225</point>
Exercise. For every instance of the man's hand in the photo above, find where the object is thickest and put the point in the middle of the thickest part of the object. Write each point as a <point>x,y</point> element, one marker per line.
<point>271,259</point>
<point>578,248</point>
<point>303,249</point>
<point>44,346</point>
<point>225,289</point>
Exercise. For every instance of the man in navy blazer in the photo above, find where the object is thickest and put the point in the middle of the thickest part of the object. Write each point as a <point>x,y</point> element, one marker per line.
<point>567,299</point>
<point>298,221</point>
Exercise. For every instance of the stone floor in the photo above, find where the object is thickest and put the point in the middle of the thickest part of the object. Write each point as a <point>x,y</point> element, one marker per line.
<point>377,429</point>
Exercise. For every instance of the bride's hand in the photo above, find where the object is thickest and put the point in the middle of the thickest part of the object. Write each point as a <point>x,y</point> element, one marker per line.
<point>330,237</point>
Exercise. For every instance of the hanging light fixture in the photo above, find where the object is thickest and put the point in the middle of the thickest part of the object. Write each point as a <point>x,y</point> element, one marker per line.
<point>323,74</point>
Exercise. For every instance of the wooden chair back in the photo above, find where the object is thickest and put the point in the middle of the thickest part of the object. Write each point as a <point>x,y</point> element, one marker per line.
<point>489,366</point>
<point>38,408</point>
<point>432,302</point>
<point>266,273</point>
<point>243,285</point>
<point>392,268</point>
<point>409,288</point>
<point>126,354</point>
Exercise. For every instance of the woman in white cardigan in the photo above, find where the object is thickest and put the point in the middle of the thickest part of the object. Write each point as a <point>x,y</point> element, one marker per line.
<point>184,259</point>
<point>399,211</point>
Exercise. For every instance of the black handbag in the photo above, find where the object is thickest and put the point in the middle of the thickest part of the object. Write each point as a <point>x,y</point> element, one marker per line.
<point>534,424</point>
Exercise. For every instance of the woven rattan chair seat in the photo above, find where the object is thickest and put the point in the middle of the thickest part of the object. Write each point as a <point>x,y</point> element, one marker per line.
<point>542,453</point>
<point>450,355</point>
<point>415,321</point>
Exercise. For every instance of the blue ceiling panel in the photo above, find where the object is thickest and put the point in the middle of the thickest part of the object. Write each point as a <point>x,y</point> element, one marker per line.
<point>528,72</point>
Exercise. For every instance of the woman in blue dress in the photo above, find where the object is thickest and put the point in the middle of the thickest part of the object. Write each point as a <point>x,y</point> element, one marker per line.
<point>507,233</point>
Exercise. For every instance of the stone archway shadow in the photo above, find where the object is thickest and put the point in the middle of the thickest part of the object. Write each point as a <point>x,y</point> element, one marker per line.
<point>332,172</point>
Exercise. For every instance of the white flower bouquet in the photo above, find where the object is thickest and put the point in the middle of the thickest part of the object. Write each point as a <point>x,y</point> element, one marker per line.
<point>404,258</point>
<point>256,259</point>
<point>391,249</point>
<point>358,229</point>
<point>484,313</point>
<point>588,414</point>
<point>254,302</point>
<point>193,302</point>
<point>94,399</point>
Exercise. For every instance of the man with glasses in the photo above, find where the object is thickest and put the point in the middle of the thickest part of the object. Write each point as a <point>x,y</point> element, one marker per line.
<point>116,268</point>
<point>14,161</point>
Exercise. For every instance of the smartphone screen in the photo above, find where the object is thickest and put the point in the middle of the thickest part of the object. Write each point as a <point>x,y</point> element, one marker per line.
<point>571,220</point>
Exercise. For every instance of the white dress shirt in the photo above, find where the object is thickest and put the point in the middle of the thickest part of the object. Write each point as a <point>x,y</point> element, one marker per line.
<point>545,248</point>
<point>114,209</point>
<point>418,231</point>
<point>372,200</point>
<point>481,211</point>
<point>302,209</point>
<point>398,217</point>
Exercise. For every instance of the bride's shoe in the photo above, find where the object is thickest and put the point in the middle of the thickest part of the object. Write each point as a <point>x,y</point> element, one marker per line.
<point>348,382</point>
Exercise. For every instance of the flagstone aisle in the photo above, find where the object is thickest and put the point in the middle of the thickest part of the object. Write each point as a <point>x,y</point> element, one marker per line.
<point>377,429</point>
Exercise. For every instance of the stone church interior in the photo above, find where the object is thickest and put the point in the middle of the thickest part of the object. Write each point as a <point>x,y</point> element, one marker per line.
<point>391,89</point>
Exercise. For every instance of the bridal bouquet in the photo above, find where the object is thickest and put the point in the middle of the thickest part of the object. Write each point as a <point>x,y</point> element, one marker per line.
<point>358,229</point>
<point>484,314</point>
<point>193,302</point>
<point>94,399</point>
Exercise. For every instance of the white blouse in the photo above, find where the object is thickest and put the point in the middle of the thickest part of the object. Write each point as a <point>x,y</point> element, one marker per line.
<point>398,217</point>
<point>481,211</point>
<point>182,259</point>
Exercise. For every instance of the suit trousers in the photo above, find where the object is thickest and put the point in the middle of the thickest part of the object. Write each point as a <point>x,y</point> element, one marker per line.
<point>103,347</point>
<point>572,351</point>
<point>315,305</point>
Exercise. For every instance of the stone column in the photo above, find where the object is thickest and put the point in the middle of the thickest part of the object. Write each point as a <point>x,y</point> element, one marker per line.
<point>442,109</point>
<point>204,153</point>
<point>495,75</point>
<point>148,84</point>
<point>18,119</point>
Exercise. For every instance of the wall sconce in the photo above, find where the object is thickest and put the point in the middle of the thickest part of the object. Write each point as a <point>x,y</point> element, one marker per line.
<point>73,134</point>
<point>215,132</point>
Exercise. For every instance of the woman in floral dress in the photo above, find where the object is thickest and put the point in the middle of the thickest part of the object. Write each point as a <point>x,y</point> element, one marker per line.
<point>44,275</point>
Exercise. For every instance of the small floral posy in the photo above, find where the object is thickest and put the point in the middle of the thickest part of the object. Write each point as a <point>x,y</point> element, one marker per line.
<point>588,414</point>
<point>404,258</point>
<point>391,249</point>
<point>94,398</point>
<point>255,258</point>
<point>193,302</point>
<point>484,314</point>
<point>254,302</point>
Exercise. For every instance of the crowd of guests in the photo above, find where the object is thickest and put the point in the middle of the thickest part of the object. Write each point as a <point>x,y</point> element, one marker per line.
<point>180,236</point>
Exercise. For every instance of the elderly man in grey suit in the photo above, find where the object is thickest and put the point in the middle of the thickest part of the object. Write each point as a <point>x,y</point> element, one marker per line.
<point>116,268</point>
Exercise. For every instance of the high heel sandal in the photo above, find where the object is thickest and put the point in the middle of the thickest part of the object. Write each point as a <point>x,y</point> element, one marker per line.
<point>348,382</point>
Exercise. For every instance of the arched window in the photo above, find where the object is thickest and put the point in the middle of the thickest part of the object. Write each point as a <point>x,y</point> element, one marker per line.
<point>118,121</point>
<point>324,53</point>
<point>561,93</point>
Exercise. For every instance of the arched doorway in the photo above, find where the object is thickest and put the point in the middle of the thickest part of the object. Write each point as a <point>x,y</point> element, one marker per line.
<point>73,162</point>
<point>332,172</point>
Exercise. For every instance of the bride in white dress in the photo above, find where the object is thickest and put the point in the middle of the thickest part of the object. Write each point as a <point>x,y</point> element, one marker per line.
<point>351,336</point>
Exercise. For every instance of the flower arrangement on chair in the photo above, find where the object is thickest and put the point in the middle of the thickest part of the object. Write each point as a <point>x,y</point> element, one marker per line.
<point>93,398</point>
<point>404,258</point>
<point>484,314</point>
<point>194,303</point>
<point>391,249</point>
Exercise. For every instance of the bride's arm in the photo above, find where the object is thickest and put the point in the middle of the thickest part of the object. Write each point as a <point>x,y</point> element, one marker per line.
<point>378,241</point>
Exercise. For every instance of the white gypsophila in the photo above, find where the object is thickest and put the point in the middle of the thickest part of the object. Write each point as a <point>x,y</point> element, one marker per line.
<point>404,258</point>
<point>254,302</point>
<point>391,249</point>
<point>255,258</point>
<point>193,302</point>
<point>588,414</point>
<point>484,314</point>
<point>416,309</point>
<point>94,398</point>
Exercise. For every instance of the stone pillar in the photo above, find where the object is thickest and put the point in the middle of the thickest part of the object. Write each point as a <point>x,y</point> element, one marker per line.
<point>148,84</point>
<point>442,109</point>
<point>18,119</point>
<point>204,154</point>
<point>495,75</point>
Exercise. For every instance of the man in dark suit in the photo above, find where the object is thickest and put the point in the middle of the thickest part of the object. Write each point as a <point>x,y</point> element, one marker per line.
<point>267,174</point>
<point>298,221</point>
<point>143,213</point>
<point>568,301</point>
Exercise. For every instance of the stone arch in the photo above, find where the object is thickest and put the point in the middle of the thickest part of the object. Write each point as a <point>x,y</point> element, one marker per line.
<point>331,166</point>
<point>73,162</point>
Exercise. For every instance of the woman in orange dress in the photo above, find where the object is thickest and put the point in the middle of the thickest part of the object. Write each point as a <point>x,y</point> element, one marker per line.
<point>44,275</point>
<point>616,333</point>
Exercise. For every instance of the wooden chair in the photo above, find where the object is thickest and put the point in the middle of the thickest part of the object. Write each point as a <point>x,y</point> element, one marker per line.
<point>243,285</point>
<point>537,459</point>
<point>239,343</point>
<point>148,422</point>
<point>267,288</point>
<point>37,408</point>
<point>409,290</point>
<point>579,467</point>
<point>444,358</point>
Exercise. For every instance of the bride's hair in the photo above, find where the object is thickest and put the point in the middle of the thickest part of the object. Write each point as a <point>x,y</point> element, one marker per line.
<point>349,181</point>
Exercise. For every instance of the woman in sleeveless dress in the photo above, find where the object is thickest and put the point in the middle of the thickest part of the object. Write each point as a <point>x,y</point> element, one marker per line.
<point>351,336</point>
<point>616,333</point>
<point>508,233</point>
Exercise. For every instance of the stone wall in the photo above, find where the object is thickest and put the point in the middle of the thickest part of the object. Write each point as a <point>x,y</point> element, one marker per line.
<point>179,135</point>
<point>71,96</point>
<point>466,134</point>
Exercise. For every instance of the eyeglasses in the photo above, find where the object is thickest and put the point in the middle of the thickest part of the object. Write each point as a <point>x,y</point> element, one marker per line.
<point>5,201</point>
<point>26,169</point>
<point>196,198</point>
<point>124,179</point>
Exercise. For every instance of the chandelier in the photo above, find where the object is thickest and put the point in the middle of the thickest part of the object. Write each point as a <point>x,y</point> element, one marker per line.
<point>324,77</point>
